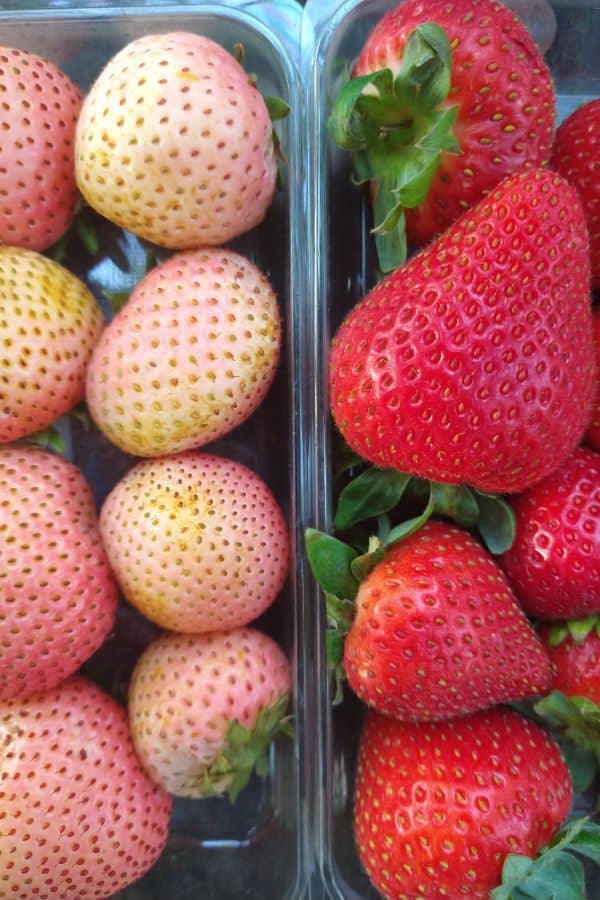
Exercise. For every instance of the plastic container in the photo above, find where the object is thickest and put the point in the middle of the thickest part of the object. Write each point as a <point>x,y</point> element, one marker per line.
<point>343,269</point>
<point>256,848</point>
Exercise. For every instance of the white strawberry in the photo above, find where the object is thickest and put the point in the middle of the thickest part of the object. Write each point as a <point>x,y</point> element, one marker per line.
<point>174,143</point>
<point>197,542</point>
<point>203,709</point>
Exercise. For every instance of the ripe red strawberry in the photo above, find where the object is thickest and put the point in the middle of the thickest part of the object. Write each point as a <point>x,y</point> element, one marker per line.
<point>142,164</point>
<point>190,356</point>
<point>38,113</point>
<point>58,596</point>
<point>575,663</point>
<point>197,542</point>
<point>438,807</point>
<point>487,110</point>
<point>576,155</point>
<point>49,323</point>
<point>462,366</point>
<point>592,435</point>
<point>204,708</point>
<point>438,632</point>
<point>80,817</point>
<point>554,561</point>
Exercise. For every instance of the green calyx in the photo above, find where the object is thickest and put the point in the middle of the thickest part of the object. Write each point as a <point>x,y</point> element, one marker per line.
<point>396,129</point>
<point>576,629</point>
<point>575,721</point>
<point>246,751</point>
<point>557,872</point>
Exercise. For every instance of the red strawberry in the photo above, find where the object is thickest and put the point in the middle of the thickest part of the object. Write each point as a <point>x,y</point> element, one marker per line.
<point>203,709</point>
<point>58,596</point>
<point>462,366</point>
<point>446,139</point>
<point>576,155</point>
<point>197,542</point>
<point>190,356</point>
<point>142,164</point>
<point>80,817</point>
<point>438,807</point>
<point>38,113</point>
<point>438,632</point>
<point>49,323</point>
<point>575,663</point>
<point>592,435</point>
<point>554,561</point>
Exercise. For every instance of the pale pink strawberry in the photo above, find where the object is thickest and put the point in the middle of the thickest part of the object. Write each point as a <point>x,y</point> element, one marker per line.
<point>197,542</point>
<point>189,357</point>
<point>203,709</point>
<point>175,143</point>
<point>80,816</point>
<point>58,596</point>
<point>39,106</point>
<point>49,323</point>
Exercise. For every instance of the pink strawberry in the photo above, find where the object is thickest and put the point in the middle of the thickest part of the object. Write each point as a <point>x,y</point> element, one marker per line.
<point>554,561</point>
<point>439,807</point>
<point>175,143</point>
<point>39,106</point>
<point>49,323</point>
<point>197,542</point>
<point>438,632</point>
<point>189,357</point>
<point>80,817</point>
<point>58,596</point>
<point>455,97</point>
<point>576,156</point>
<point>204,708</point>
<point>462,366</point>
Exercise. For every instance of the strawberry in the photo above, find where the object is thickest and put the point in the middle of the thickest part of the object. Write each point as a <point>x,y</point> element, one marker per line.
<point>575,659</point>
<point>576,156</point>
<point>189,357</point>
<point>141,164</point>
<point>447,99</point>
<point>197,542</point>
<point>554,561</point>
<point>57,594</point>
<point>204,708</point>
<point>439,807</point>
<point>80,817</point>
<point>38,115</point>
<point>462,366</point>
<point>592,435</point>
<point>49,323</point>
<point>438,633</point>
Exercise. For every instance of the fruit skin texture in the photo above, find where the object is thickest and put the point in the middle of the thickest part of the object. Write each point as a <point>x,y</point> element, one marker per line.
<point>190,356</point>
<point>462,365</point>
<point>503,90</point>
<point>439,806</point>
<point>49,324</point>
<point>141,164</point>
<point>81,816</point>
<point>58,596</point>
<point>40,106</point>
<point>576,665</point>
<point>576,156</point>
<point>184,692</point>
<point>197,542</point>
<point>592,435</point>
<point>554,562</point>
<point>438,632</point>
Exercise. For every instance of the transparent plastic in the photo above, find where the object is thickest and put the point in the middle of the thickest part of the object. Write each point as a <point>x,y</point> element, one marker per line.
<point>257,847</point>
<point>343,268</point>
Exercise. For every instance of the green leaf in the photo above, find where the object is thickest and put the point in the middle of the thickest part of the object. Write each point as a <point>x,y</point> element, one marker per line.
<point>496,524</point>
<point>365,563</point>
<point>86,232</point>
<point>580,628</point>
<point>582,763</point>
<point>48,438</point>
<point>456,501</point>
<point>330,561</point>
<point>347,123</point>
<point>374,492</point>
<point>391,246</point>
<point>427,63</point>
<point>278,108</point>
<point>410,526</point>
